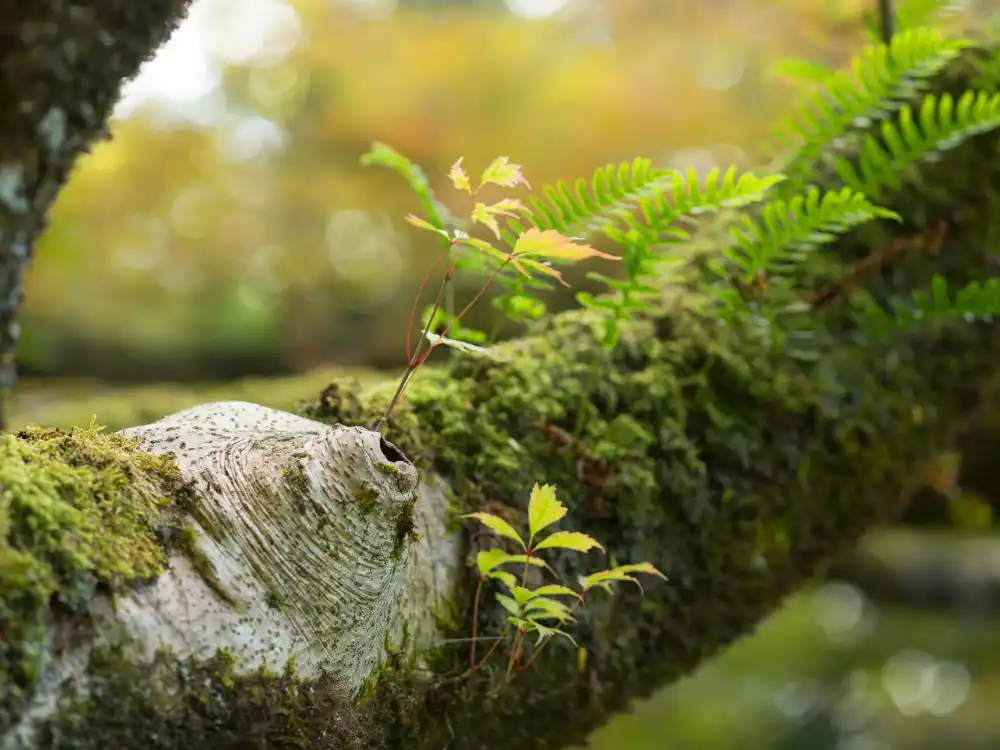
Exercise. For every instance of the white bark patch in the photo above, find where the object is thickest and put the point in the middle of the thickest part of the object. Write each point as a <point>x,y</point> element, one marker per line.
<point>299,555</point>
<point>300,525</point>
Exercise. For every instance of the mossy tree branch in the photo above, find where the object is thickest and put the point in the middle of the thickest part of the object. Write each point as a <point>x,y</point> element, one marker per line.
<point>737,469</point>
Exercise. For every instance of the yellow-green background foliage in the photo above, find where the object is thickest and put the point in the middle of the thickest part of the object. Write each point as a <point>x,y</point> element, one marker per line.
<point>239,233</point>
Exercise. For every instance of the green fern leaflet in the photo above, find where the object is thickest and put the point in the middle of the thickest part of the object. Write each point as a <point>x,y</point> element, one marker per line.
<point>629,204</point>
<point>880,78</point>
<point>943,124</point>
<point>613,192</point>
<point>789,229</point>
<point>975,301</point>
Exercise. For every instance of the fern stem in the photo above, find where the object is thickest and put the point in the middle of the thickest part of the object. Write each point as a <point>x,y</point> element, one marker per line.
<point>410,355</point>
<point>412,361</point>
<point>473,301</point>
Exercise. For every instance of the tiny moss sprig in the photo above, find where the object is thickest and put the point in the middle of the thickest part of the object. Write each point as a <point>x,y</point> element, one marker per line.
<point>532,610</point>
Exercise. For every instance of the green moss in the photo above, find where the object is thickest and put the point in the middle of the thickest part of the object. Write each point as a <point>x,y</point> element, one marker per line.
<point>80,512</point>
<point>296,479</point>
<point>406,526</point>
<point>274,599</point>
<point>186,544</point>
<point>339,403</point>
<point>366,497</point>
<point>386,468</point>
<point>203,705</point>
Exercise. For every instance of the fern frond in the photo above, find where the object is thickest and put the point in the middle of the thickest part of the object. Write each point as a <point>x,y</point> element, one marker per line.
<point>383,155</point>
<point>941,124</point>
<point>879,79</point>
<point>612,192</point>
<point>638,203</point>
<point>789,229</point>
<point>656,221</point>
<point>975,301</point>
<point>798,69</point>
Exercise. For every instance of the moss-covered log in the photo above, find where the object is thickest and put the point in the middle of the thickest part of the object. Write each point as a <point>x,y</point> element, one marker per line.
<point>737,470</point>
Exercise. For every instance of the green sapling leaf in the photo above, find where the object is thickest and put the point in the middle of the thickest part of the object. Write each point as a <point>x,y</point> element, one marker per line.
<point>489,559</point>
<point>509,604</point>
<point>573,540</point>
<point>507,579</point>
<point>543,509</point>
<point>497,525</point>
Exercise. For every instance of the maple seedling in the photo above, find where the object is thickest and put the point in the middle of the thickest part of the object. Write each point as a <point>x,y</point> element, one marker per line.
<point>532,253</point>
<point>534,610</point>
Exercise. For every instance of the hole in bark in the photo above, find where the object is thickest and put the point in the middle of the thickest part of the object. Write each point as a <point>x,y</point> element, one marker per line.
<point>391,452</point>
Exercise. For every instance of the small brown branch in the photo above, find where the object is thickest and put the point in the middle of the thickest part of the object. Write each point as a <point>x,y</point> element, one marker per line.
<point>929,241</point>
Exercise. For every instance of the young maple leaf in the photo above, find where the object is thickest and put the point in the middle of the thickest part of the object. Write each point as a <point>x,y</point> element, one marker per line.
<point>522,264</point>
<point>488,214</point>
<point>458,176</point>
<point>502,172</point>
<point>552,245</point>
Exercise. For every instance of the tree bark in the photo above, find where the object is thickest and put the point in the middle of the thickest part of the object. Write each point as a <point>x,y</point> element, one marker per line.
<point>248,578</point>
<point>62,63</point>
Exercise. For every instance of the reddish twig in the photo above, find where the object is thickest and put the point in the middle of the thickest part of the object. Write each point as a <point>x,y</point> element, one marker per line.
<point>929,241</point>
<point>413,361</point>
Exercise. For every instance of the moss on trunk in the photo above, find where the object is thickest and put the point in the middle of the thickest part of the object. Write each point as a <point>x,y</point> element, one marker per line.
<point>738,470</point>
<point>81,512</point>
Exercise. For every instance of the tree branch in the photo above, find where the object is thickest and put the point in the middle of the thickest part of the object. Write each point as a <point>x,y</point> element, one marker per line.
<point>61,68</point>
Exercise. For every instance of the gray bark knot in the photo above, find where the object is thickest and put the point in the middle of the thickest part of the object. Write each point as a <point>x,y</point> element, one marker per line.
<point>303,546</point>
